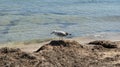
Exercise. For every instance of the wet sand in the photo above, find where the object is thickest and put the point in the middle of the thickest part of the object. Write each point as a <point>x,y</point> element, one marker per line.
<point>33,46</point>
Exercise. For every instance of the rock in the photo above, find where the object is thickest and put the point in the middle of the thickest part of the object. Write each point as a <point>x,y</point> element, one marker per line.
<point>60,43</point>
<point>106,44</point>
<point>9,50</point>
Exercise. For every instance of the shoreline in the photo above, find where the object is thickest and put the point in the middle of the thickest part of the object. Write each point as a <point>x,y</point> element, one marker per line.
<point>32,45</point>
<point>95,36</point>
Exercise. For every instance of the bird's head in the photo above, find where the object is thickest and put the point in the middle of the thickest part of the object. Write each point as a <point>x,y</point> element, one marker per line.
<point>68,33</point>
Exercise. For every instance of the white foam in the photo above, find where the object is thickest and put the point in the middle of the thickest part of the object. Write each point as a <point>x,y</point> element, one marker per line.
<point>105,36</point>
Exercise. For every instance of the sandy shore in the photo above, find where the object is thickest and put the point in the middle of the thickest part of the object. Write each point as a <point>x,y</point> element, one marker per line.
<point>34,46</point>
<point>72,52</point>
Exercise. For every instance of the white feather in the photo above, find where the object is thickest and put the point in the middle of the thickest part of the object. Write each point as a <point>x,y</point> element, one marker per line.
<point>60,33</point>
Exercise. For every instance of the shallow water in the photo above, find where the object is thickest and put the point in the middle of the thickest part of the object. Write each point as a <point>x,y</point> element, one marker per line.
<point>22,20</point>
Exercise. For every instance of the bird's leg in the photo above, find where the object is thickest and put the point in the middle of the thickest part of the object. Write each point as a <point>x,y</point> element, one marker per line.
<point>62,38</point>
<point>59,38</point>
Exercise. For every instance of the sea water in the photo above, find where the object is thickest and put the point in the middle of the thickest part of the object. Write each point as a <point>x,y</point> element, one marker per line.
<point>22,20</point>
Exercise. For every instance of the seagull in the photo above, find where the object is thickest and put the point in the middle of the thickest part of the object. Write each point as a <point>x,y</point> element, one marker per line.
<point>60,33</point>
